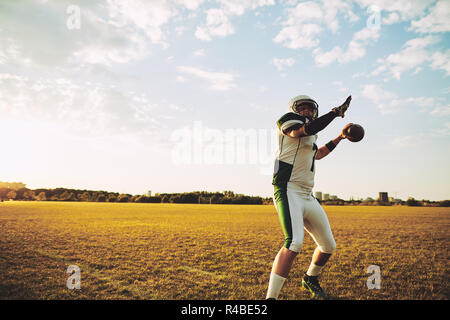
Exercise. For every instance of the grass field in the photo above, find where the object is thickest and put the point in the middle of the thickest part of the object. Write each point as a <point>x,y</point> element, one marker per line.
<point>177,251</point>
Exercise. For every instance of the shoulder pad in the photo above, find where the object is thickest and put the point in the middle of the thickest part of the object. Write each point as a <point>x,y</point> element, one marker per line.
<point>289,117</point>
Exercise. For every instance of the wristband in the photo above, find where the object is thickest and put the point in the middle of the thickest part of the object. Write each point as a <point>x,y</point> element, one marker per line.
<point>330,145</point>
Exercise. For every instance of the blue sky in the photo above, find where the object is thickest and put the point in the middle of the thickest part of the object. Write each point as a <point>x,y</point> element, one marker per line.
<point>183,95</point>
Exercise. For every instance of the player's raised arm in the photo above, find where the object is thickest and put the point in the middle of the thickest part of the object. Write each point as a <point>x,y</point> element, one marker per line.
<point>316,125</point>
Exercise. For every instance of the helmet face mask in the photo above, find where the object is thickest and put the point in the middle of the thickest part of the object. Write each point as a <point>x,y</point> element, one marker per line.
<point>303,102</point>
<point>302,106</point>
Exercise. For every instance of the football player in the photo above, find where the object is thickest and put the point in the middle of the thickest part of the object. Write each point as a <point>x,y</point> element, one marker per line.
<point>293,181</point>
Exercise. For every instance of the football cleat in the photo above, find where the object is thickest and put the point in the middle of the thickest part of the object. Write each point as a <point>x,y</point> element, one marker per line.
<point>311,284</point>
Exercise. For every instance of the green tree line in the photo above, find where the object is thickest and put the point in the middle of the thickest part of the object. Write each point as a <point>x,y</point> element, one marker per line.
<point>19,191</point>
<point>63,194</point>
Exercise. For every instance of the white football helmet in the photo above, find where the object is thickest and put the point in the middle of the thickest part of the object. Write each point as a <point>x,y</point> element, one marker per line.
<point>304,99</point>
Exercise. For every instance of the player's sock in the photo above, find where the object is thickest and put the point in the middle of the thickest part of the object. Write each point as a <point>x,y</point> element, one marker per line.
<point>275,284</point>
<point>314,270</point>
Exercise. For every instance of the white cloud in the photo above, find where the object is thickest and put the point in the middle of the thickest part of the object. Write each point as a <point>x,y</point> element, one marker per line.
<point>438,19</point>
<point>176,107</point>
<point>323,59</point>
<point>190,4</point>
<point>290,2</point>
<point>199,53</point>
<point>238,7</point>
<point>304,11</point>
<point>108,54</point>
<point>298,31</point>
<point>304,22</point>
<point>332,9</point>
<point>419,138</point>
<point>421,42</point>
<point>217,25</point>
<point>142,15</point>
<point>441,111</point>
<point>355,49</point>
<point>218,20</point>
<point>445,131</point>
<point>111,31</point>
<point>366,34</point>
<point>180,30</point>
<point>280,64</point>
<point>219,80</point>
<point>392,18</point>
<point>299,36</point>
<point>9,50</point>
<point>405,9</point>
<point>417,70</point>
<point>340,86</point>
<point>422,102</point>
<point>441,60</point>
<point>85,108</point>
<point>407,141</point>
<point>385,101</point>
<point>388,102</point>
<point>412,55</point>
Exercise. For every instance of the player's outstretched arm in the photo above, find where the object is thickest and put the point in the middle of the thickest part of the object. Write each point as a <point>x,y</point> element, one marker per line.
<point>326,149</point>
<point>320,123</point>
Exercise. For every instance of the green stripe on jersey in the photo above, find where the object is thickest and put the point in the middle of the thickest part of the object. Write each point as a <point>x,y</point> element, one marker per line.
<point>282,172</point>
<point>290,116</point>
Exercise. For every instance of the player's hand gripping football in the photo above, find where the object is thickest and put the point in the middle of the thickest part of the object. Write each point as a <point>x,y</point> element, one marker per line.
<point>344,131</point>
<point>342,108</point>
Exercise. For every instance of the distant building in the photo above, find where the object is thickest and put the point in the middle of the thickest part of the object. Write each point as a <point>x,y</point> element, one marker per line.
<point>333,197</point>
<point>318,195</point>
<point>149,193</point>
<point>383,197</point>
<point>326,196</point>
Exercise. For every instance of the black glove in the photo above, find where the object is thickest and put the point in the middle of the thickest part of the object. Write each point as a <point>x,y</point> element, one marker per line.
<point>342,108</point>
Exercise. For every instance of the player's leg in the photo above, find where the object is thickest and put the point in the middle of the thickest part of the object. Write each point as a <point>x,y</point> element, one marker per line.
<point>318,226</point>
<point>290,213</point>
<point>280,270</point>
<point>283,262</point>
<point>319,259</point>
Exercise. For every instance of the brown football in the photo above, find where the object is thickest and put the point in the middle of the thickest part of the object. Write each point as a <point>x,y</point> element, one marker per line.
<point>355,133</point>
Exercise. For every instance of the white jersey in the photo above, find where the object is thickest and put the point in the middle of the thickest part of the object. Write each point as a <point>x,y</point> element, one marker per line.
<point>295,160</point>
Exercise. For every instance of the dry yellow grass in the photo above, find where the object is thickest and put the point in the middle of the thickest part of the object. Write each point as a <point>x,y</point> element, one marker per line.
<point>177,251</point>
